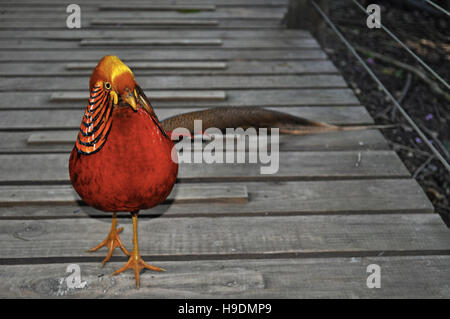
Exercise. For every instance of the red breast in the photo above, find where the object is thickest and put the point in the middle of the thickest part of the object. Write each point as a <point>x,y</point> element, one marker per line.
<point>133,170</point>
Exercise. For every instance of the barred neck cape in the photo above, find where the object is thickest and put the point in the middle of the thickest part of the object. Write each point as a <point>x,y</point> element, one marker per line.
<point>96,123</point>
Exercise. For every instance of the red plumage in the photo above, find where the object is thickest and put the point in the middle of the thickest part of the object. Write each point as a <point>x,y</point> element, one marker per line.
<point>123,160</point>
<point>132,171</point>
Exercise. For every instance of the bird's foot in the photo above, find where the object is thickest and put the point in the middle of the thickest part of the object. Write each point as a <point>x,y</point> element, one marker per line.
<point>112,241</point>
<point>137,264</point>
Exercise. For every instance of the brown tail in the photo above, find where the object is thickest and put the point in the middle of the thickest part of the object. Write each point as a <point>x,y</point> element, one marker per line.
<point>245,117</point>
<point>331,128</point>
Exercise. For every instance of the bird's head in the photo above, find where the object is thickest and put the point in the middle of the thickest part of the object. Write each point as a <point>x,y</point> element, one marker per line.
<point>116,78</point>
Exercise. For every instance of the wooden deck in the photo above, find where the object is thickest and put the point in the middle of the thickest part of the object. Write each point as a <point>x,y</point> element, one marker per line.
<point>339,202</point>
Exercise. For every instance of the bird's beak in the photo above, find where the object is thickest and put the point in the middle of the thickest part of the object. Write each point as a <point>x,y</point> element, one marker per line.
<point>142,99</point>
<point>130,99</point>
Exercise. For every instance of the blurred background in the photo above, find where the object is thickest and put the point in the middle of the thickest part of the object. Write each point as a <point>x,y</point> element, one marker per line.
<point>425,29</point>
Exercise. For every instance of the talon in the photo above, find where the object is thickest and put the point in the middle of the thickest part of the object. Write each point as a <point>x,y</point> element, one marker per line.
<point>151,267</point>
<point>135,261</point>
<point>112,241</point>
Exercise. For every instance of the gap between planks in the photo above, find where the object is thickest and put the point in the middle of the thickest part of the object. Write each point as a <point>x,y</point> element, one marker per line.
<point>29,195</point>
<point>182,82</point>
<point>157,95</point>
<point>150,42</point>
<point>157,66</point>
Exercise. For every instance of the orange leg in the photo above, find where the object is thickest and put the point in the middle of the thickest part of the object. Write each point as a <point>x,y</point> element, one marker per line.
<point>135,262</point>
<point>112,241</point>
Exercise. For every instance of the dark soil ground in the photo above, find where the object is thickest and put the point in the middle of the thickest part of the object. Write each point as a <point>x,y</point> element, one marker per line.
<point>428,35</point>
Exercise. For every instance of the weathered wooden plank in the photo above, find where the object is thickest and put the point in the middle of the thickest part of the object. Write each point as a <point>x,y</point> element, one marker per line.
<point>79,34</point>
<point>34,168</point>
<point>158,7</point>
<point>67,118</point>
<point>71,119</point>
<point>173,68</point>
<point>264,198</point>
<point>187,238</point>
<point>222,13</point>
<point>52,137</point>
<point>156,96</point>
<point>69,137</point>
<point>303,166</point>
<point>63,141</point>
<point>335,115</point>
<point>301,97</point>
<point>402,277</point>
<point>169,44</point>
<point>197,193</point>
<point>163,55</point>
<point>304,97</point>
<point>95,5</point>
<point>150,42</point>
<point>170,82</point>
<point>160,24</point>
<point>181,99</point>
<point>224,44</point>
<point>156,65</point>
<point>285,97</point>
<point>345,141</point>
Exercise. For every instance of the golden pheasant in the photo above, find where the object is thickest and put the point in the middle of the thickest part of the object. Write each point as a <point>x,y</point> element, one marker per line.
<point>121,161</point>
<point>122,158</point>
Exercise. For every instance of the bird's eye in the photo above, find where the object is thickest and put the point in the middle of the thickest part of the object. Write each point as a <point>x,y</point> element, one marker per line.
<point>107,85</point>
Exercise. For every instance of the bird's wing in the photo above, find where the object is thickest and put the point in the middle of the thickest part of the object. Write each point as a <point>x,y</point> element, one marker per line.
<point>149,109</point>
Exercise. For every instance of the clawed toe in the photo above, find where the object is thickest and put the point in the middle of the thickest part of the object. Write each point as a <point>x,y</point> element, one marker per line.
<point>137,264</point>
<point>112,241</point>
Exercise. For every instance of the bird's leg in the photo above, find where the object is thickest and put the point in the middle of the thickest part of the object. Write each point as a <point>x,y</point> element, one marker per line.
<point>135,262</point>
<point>112,241</point>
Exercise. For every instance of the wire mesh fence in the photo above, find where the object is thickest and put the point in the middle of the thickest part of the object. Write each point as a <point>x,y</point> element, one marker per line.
<point>440,155</point>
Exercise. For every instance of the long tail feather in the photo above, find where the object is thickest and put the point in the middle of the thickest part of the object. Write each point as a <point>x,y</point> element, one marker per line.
<point>331,128</point>
<point>245,117</point>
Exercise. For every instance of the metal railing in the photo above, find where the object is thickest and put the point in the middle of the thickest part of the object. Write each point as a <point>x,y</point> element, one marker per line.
<point>435,151</point>
<point>438,7</point>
